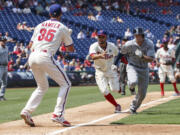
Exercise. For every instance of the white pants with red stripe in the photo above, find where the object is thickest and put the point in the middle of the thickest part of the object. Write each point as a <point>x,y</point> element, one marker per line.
<point>41,64</point>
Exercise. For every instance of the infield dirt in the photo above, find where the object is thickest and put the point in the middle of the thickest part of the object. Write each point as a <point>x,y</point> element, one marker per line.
<point>90,112</point>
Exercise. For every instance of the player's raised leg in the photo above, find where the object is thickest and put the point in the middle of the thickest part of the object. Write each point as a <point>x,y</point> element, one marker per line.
<point>102,83</point>
<point>132,78</point>
<point>115,87</point>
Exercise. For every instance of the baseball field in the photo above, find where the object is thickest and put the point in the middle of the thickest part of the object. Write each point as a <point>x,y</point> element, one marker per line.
<point>90,114</point>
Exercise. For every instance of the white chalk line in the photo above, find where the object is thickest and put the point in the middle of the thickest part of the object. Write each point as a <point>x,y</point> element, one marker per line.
<point>106,117</point>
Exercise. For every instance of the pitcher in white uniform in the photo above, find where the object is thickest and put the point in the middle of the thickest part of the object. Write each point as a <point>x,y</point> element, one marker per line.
<point>165,57</point>
<point>46,40</point>
<point>103,53</point>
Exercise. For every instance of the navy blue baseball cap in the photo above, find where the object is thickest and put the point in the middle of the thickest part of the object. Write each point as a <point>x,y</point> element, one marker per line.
<point>101,33</point>
<point>55,10</point>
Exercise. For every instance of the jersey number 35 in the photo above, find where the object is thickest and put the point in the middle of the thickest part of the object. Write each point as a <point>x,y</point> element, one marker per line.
<point>46,35</point>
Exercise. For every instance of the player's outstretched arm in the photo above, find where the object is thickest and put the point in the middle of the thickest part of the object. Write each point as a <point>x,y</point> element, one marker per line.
<point>99,56</point>
<point>147,58</point>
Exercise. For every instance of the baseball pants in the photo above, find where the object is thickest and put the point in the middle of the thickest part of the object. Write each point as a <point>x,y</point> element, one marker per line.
<point>166,71</point>
<point>105,80</point>
<point>3,77</point>
<point>170,75</point>
<point>138,77</point>
<point>42,63</point>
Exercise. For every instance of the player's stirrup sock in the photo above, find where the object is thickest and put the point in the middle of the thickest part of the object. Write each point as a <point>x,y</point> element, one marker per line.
<point>111,99</point>
<point>162,89</point>
<point>175,88</point>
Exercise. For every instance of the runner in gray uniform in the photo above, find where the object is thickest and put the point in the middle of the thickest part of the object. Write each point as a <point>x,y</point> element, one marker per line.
<point>3,67</point>
<point>140,51</point>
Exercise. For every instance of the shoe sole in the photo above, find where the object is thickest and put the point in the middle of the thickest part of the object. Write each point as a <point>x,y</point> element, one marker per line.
<point>117,111</point>
<point>26,121</point>
<point>65,125</point>
<point>133,113</point>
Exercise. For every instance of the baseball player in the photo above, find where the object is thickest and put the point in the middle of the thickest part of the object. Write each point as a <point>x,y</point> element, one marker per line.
<point>122,70</point>
<point>165,58</point>
<point>177,63</point>
<point>45,41</point>
<point>3,67</point>
<point>103,53</point>
<point>139,52</point>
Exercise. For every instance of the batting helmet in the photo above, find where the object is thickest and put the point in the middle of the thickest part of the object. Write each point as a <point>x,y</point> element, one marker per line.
<point>138,31</point>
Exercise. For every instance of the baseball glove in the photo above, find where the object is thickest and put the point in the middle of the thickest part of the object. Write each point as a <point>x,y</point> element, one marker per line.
<point>168,62</point>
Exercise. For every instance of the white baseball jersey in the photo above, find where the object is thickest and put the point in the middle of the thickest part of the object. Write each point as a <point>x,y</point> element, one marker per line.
<point>164,56</point>
<point>49,35</point>
<point>104,64</point>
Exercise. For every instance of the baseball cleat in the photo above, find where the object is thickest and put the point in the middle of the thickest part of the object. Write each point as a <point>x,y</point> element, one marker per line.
<point>2,98</point>
<point>117,109</point>
<point>132,111</point>
<point>60,120</point>
<point>27,119</point>
<point>176,94</point>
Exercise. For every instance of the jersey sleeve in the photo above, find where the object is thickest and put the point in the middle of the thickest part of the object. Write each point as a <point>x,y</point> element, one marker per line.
<point>125,48</point>
<point>151,51</point>
<point>92,50</point>
<point>67,37</point>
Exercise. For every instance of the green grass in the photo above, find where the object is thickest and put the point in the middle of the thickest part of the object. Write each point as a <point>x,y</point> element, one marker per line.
<point>167,113</point>
<point>17,98</point>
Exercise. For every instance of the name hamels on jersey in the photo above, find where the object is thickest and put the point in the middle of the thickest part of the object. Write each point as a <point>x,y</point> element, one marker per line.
<point>49,35</point>
<point>164,55</point>
<point>50,24</point>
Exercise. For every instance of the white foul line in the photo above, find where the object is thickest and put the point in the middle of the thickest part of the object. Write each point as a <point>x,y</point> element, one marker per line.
<point>104,118</point>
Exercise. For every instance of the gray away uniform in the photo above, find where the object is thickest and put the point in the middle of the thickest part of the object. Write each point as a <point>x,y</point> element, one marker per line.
<point>3,69</point>
<point>137,68</point>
